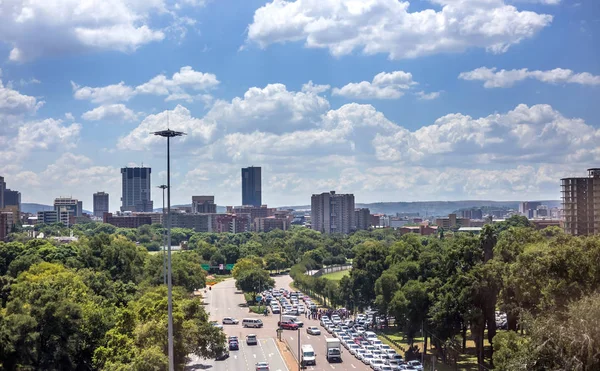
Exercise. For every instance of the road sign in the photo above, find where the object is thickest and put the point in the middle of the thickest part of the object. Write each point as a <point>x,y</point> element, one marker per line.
<point>221,266</point>
<point>229,266</point>
<point>206,267</point>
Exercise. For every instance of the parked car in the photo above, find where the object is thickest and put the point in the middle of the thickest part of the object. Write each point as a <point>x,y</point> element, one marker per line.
<point>230,321</point>
<point>313,330</point>
<point>416,364</point>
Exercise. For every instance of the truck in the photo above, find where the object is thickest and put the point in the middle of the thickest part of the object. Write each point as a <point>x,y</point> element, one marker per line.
<point>334,350</point>
<point>308,355</point>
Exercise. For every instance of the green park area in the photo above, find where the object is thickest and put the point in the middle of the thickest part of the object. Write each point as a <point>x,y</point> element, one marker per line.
<point>336,276</point>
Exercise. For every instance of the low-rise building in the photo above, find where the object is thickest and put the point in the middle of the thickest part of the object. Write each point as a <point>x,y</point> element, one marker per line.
<point>270,223</point>
<point>126,221</point>
<point>452,222</point>
<point>423,229</point>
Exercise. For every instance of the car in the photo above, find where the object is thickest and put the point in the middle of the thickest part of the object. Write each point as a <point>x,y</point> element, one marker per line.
<point>313,330</point>
<point>230,321</point>
<point>376,363</point>
<point>288,326</point>
<point>395,365</point>
<point>224,354</point>
<point>262,366</point>
<point>416,364</point>
<point>251,339</point>
<point>366,359</point>
<point>377,343</point>
<point>386,368</point>
<point>234,345</point>
<point>353,349</point>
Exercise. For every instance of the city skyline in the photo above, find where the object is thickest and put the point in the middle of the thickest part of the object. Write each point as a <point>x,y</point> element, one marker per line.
<point>486,116</point>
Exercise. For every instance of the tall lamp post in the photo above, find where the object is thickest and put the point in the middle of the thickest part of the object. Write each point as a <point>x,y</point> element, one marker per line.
<point>163,187</point>
<point>169,134</point>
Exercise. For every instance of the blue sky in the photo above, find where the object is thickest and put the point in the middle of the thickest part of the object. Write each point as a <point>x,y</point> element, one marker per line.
<point>427,100</point>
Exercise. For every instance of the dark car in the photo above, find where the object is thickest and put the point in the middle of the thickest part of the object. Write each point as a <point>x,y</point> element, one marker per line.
<point>224,354</point>
<point>234,345</point>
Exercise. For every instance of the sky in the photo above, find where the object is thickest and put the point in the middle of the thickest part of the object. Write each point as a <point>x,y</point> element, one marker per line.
<point>390,100</point>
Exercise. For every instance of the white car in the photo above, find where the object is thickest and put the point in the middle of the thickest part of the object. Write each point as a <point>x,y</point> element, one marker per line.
<point>376,363</point>
<point>416,364</point>
<point>313,330</point>
<point>262,366</point>
<point>386,368</point>
<point>367,358</point>
<point>353,348</point>
<point>230,321</point>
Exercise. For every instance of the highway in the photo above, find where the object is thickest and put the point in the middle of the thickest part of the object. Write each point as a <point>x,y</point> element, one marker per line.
<point>225,301</point>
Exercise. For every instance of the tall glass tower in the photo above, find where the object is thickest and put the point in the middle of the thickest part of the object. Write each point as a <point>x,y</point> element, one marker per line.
<point>251,186</point>
<point>137,195</point>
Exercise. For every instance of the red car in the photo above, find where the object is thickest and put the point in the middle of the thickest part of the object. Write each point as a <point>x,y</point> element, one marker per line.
<point>288,325</point>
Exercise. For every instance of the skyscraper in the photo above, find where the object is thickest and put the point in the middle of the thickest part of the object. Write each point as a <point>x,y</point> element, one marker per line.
<point>100,204</point>
<point>251,186</point>
<point>137,194</point>
<point>2,188</point>
<point>332,213</point>
<point>66,208</point>
<point>581,204</point>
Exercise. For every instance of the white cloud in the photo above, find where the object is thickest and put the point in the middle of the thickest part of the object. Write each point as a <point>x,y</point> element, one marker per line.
<point>179,119</point>
<point>48,134</point>
<point>507,78</point>
<point>37,28</point>
<point>428,96</point>
<point>107,94</point>
<point>310,87</point>
<point>69,116</point>
<point>110,112</point>
<point>387,26</point>
<point>14,103</point>
<point>175,88</point>
<point>384,86</point>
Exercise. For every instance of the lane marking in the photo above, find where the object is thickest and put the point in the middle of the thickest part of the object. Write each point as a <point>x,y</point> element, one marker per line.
<point>351,364</point>
<point>332,367</point>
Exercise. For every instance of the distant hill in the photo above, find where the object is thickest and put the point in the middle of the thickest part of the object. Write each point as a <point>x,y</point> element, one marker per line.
<point>433,208</point>
<point>34,208</point>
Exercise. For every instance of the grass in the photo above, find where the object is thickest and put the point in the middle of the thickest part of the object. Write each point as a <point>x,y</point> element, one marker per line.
<point>258,309</point>
<point>336,276</point>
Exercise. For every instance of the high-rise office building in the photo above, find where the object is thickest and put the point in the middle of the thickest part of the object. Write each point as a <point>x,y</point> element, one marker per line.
<point>333,213</point>
<point>2,188</point>
<point>251,186</point>
<point>362,218</point>
<point>12,198</point>
<point>137,195</point>
<point>581,204</point>
<point>67,208</point>
<point>204,204</point>
<point>100,204</point>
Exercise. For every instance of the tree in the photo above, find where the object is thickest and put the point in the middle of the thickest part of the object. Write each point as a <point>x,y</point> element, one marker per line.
<point>254,281</point>
<point>246,264</point>
<point>385,288</point>
<point>274,262</point>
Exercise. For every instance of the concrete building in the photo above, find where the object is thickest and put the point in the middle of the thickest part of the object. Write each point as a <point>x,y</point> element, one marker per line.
<point>7,222</point>
<point>526,208</point>
<point>363,218</point>
<point>204,204</point>
<point>47,217</point>
<point>254,211</point>
<point>452,222</point>
<point>333,213</point>
<point>67,208</point>
<point>101,204</point>
<point>2,188</point>
<point>270,223</point>
<point>136,189</point>
<point>251,186</point>
<point>197,222</point>
<point>581,204</point>
<point>12,198</point>
<point>231,223</point>
<point>423,230</point>
<point>157,218</point>
<point>472,213</point>
<point>126,221</point>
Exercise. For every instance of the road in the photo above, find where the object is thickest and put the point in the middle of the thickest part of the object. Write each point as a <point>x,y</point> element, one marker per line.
<point>225,301</point>
<point>349,363</point>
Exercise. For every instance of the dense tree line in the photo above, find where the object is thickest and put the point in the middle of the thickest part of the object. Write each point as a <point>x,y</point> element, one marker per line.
<point>452,286</point>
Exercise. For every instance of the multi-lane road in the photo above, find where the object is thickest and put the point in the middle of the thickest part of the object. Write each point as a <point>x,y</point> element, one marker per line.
<point>225,301</point>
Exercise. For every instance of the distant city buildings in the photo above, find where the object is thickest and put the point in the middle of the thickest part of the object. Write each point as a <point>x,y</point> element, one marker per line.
<point>452,222</point>
<point>7,221</point>
<point>136,189</point>
<point>333,213</point>
<point>204,204</point>
<point>126,221</point>
<point>251,186</point>
<point>362,218</point>
<point>101,204</point>
<point>66,209</point>
<point>581,204</point>
<point>2,188</point>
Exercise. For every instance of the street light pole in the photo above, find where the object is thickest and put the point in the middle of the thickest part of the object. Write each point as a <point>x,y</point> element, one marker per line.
<point>299,352</point>
<point>169,134</point>
<point>163,187</point>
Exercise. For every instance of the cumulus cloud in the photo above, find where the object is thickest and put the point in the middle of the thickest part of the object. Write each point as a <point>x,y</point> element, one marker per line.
<point>428,96</point>
<point>110,112</point>
<point>14,103</point>
<point>175,87</point>
<point>507,78</point>
<point>387,26</point>
<point>37,28</point>
<point>310,87</point>
<point>48,134</point>
<point>384,86</point>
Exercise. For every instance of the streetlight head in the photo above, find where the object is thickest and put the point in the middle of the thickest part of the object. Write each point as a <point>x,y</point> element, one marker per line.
<point>169,133</point>
<point>162,186</point>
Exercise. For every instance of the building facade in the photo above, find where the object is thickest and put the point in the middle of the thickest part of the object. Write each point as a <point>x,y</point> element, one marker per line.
<point>100,204</point>
<point>2,189</point>
<point>126,221</point>
<point>47,217</point>
<point>12,198</point>
<point>363,218</point>
<point>253,211</point>
<point>136,189</point>
<point>271,223</point>
<point>197,222</point>
<point>67,208</point>
<point>581,204</point>
<point>6,224</point>
<point>452,222</point>
<point>333,213</point>
<point>251,186</point>
<point>204,204</point>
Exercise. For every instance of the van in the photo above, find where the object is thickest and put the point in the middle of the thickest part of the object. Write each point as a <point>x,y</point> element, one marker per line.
<point>293,319</point>
<point>252,322</point>
<point>308,355</point>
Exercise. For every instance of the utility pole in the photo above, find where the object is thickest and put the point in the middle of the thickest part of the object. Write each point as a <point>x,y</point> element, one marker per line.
<point>163,187</point>
<point>299,352</point>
